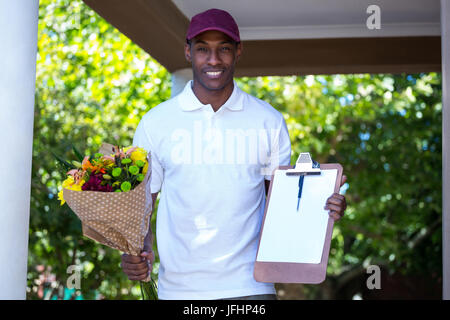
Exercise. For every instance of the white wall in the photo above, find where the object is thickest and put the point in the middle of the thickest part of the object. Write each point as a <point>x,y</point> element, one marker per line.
<point>445,32</point>
<point>179,80</point>
<point>18,43</point>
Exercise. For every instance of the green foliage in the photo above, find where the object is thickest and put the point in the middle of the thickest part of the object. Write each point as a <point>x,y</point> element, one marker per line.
<point>93,85</point>
<point>386,132</point>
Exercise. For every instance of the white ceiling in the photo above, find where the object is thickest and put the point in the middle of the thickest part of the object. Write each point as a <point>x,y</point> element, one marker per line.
<point>303,19</point>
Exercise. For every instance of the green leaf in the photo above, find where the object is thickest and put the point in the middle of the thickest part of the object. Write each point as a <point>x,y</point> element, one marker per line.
<point>77,153</point>
<point>77,164</point>
<point>63,163</point>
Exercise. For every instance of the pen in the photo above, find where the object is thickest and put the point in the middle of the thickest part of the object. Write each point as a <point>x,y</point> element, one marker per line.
<point>300,188</point>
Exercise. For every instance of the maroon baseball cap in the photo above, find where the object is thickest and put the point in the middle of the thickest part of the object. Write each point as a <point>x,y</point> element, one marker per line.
<point>213,19</point>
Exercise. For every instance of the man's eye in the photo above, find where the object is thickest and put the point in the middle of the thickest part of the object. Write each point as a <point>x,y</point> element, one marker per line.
<point>201,49</point>
<point>226,49</point>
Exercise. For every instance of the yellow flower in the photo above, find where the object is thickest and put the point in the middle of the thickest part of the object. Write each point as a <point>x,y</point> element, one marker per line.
<point>138,154</point>
<point>69,183</point>
<point>60,197</point>
<point>76,187</point>
<point>144,170</point>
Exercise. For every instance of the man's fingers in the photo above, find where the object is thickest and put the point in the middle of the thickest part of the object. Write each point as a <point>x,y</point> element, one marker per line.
<point>134,266</point>
<point>336,199</point>
<point>138,277</point>
<point>131,259</point>
<point>335,216</point>
<point>131,272</point>
<point>148,256</point>
<point>137,272</point>
<point>334,207</point>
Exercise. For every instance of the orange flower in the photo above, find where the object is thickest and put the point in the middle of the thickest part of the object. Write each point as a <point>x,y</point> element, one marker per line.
<point>87,165</point>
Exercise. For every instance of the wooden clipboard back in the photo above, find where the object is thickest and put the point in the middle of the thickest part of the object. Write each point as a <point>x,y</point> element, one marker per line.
<point>288,272</point>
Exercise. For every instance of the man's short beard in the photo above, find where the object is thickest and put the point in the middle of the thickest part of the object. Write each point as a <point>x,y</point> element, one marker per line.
<point>196,76</point>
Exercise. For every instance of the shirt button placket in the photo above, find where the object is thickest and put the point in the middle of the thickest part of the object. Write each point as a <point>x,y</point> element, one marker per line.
<point>210,117</point>
<point>209,114</point>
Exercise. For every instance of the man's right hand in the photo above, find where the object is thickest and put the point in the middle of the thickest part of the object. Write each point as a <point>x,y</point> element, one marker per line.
<point>137,267</point>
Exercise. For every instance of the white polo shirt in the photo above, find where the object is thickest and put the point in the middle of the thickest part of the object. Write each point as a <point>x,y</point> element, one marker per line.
<point>210,167</point>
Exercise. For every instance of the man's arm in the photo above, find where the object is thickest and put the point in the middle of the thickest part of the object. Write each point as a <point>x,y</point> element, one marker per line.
<point>148,241</point>
<point>337,204</point>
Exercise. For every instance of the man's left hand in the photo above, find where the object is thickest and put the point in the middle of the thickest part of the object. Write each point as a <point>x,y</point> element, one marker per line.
<point>336,204</point>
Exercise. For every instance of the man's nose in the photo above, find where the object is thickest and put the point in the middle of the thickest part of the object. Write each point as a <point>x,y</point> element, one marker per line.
<point>214,58</point>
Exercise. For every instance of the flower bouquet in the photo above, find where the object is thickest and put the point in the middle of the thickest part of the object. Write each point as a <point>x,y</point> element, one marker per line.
<point>110,194</point>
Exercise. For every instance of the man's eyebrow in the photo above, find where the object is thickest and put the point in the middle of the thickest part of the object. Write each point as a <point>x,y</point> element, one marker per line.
<point>200,41</point>
<point>223,42</point>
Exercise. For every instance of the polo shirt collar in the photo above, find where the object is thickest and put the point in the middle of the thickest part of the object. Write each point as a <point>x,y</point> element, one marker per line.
<point>189,101</point>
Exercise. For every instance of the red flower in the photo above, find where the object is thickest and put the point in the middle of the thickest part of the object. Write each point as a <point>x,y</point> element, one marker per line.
<point>94,184</point>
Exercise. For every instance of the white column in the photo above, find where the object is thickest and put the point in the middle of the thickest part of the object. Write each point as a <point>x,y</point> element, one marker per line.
<point>445,36</point>
<point>179,80</point>
<point>18,42</point>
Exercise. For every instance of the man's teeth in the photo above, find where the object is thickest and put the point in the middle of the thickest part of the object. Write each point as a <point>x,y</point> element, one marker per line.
<point>214,73</point>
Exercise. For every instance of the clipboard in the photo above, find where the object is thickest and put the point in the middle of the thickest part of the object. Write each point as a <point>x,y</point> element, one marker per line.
<point>279,259</point>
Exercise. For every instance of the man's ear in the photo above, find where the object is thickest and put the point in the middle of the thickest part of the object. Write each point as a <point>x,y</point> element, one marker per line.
<point>187,52</point>
<point>239,50</point>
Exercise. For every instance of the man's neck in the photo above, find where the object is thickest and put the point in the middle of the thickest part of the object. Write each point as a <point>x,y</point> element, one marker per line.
<point>216,98</point>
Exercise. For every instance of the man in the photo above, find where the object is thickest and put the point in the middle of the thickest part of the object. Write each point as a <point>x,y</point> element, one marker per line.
<point>213,149</point>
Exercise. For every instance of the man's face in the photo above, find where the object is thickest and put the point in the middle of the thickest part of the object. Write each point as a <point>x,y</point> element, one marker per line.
<point>213,56</point>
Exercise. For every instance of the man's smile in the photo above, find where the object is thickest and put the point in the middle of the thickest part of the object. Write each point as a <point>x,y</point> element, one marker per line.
<point>214,74</point>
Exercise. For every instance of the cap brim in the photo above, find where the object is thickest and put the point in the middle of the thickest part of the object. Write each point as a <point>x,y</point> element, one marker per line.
<point>228,33</point>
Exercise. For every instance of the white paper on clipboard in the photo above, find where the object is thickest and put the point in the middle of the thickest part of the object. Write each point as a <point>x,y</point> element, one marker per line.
<point>296,236</point>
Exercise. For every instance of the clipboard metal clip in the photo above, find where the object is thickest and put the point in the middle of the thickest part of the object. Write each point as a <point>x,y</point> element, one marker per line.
<point>304,166</point>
